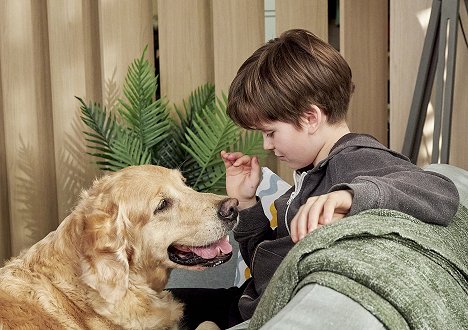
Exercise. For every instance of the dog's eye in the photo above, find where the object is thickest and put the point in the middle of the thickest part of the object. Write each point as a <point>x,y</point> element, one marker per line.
<point>162,205</point>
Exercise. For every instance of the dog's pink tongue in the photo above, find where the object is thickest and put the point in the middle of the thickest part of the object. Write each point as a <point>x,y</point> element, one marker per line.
<point>211,251</point>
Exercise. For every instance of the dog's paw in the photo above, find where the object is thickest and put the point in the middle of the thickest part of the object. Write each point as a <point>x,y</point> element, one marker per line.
<point>208,325</point>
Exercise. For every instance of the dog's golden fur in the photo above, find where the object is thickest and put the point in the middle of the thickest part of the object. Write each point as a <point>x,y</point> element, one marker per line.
<point>106,265</point>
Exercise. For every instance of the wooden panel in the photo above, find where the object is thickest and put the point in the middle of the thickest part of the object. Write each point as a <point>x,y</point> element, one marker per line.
<point>458,154</point>
<point>69,78</point>
<point>125,28</point>
<point>364,45</point>
<point>5,251</point>
<point>92,49</point>
<point>305,14</point>
<point>238,30</point>
<point>185,47</point>
<point>408,24</point>
<point>311,15</point>
<point>27,121</point>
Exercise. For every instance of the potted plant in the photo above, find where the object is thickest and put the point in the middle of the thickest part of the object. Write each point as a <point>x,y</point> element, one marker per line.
<point>142,130</point>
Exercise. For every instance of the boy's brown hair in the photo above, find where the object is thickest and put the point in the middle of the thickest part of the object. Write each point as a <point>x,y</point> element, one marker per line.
<point>281,79</point>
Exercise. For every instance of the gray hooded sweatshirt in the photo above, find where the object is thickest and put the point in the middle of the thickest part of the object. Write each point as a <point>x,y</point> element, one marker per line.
<point>378,178</point>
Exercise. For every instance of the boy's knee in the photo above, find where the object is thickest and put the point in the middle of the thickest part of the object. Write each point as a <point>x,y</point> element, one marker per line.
<point>208,325</point>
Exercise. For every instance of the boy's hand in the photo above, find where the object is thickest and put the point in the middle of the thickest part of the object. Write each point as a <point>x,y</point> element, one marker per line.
<point>242,177</point>
<point>319,211</point>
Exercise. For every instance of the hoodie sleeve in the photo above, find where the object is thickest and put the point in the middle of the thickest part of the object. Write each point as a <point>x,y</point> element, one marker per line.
<point>384,179</point>
<point>253,227</point>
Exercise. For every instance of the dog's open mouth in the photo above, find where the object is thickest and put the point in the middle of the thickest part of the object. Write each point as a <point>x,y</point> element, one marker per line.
<point>210,255</point>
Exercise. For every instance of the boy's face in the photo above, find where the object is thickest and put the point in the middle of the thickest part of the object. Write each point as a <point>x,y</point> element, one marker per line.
<point>296,147</point>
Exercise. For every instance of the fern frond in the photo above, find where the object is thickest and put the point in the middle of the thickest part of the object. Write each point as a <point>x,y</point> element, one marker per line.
<point>170,153</point>
<point>104,124</point>
<point>144,132</point>
<point>140,84</point>
<point>115,146</point>
<point>200,99</point>
<point>148,118</point>
<point>212,132</point>
<point>104,129</point>
<point>251,143</point>
<point>190,170</point>
<point>128,151</point>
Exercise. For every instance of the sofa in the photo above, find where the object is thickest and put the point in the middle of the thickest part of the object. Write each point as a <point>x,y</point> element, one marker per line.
<point>379,269</point>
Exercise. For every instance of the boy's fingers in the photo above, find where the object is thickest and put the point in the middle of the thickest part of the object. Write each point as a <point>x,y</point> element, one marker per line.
<point>318,211</point>
<point>256,169</point>
<point>295,225</point>
<point>233,155</point>
<point>224,157</point>
<point>328,210</point>
<point>316,207</point>
<point>299,223</point>
<point>244,160</point>
<point>226,162</point>
<point>235,159</point>
<point>302,224</point>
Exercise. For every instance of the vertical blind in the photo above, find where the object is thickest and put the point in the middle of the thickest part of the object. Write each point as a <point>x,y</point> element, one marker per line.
<point>54,50</point>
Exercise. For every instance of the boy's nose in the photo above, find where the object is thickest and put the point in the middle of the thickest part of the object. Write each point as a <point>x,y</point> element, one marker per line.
<point>267,145</point>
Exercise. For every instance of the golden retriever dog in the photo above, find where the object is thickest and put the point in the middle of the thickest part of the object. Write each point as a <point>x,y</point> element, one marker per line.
<point>107,263</point>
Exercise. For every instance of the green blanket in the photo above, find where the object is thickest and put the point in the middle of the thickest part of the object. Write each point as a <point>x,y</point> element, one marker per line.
<point>409,274</point>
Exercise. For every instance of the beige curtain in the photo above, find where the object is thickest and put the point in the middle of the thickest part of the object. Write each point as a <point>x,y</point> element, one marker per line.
<point>50,52</point>
<point>54,50</point>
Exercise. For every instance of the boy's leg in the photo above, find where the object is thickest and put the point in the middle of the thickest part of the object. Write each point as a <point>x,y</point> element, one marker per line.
<point>201,304</point>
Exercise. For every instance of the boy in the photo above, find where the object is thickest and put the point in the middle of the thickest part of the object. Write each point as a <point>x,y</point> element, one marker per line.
<point>296,90</point>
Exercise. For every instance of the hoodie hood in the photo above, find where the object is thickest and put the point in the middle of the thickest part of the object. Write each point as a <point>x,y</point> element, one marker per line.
<point>352,141</point>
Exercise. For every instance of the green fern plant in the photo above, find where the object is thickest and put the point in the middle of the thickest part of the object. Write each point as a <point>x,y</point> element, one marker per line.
<point>142,131</point>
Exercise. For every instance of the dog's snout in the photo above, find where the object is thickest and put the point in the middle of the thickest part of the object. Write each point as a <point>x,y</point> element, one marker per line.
<point>228,209</point>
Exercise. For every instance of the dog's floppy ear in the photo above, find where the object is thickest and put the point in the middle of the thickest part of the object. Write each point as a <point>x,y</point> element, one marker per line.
<point>104,265</point>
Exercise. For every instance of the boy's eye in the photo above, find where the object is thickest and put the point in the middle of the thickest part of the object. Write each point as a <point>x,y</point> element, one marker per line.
<point>269,134</point>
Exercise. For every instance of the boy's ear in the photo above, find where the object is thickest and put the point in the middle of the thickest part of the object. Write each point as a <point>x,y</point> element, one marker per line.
<point>314,117</point>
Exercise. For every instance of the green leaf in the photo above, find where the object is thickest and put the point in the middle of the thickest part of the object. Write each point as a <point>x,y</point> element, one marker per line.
<point>104,130</point>
<point>201,98</point>
<point>251,143</point>
<point>212,132</point>
<point>129,151</point>
<point>146,133</point>
<point>147,118</point>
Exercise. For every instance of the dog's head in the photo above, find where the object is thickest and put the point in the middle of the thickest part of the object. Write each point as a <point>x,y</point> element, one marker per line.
<point>143,220</point>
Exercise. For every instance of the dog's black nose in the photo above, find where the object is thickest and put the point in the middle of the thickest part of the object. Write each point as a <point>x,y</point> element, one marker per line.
<point>228,209</point>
